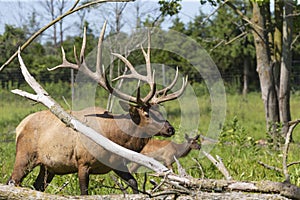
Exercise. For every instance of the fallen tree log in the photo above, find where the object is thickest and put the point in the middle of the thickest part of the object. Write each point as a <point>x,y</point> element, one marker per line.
<point>19,193</point>
<point>211,185</point>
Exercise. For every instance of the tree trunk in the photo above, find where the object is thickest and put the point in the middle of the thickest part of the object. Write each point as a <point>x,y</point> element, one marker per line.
<point>277,41</point>
<point>49,6</point>
<point>246,70</point>
<point>62,5</point>
<point>52,13</point>
<point>286,62</point>
<point>119,8</point>
<point>264,66</point>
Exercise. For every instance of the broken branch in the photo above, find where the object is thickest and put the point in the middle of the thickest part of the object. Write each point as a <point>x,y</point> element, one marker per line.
<point>219,164</point>
<point>72,10</point>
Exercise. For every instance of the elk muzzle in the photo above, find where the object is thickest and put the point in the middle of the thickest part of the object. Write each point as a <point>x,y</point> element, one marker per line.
<point>167,130</point>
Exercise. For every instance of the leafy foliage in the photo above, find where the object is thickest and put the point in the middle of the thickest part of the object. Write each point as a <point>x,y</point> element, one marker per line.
<point>234,134</point>
<point>171,7</point>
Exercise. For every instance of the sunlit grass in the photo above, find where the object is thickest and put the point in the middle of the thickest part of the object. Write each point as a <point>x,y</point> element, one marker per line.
<point>241,158</point>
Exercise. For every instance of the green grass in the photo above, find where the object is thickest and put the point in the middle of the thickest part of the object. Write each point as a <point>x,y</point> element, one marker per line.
<point>244,126</point>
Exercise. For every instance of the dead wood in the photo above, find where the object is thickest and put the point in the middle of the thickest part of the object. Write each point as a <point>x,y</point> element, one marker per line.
<point>19,193</point>
<point>211,185</point>
<point>219,164</point>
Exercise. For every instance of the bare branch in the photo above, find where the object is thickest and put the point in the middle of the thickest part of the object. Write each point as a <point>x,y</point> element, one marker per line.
<point>292,125</point>
<point>217,45</point>
<point>230,41</point>
<point>294,41</point>
<point>293,15</point>
<point>244,17</point>
<point>270,167</point>
<point>72,10</point>
<point>297,121</point>
<point>160,184</point>
<point>62,187</point>
<point>200,167</point>
<point>219,164</point>
<point>293,163</point>
<point>181,170</point>
<point>236,37</point>
<point>119,184</point>
<point>212,13</point>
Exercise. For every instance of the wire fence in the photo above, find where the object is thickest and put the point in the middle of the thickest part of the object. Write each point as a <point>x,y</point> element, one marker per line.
<point>233,80</point>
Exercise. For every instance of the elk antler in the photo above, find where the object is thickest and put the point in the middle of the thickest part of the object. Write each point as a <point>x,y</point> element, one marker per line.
<point>81,65</point>
<point>99,76</point>
<point>153,97</point>
<point>149,78</point>
<point>162,96</point>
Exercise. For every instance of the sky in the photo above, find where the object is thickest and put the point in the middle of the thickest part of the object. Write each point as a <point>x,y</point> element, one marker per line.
<point>17,11</point>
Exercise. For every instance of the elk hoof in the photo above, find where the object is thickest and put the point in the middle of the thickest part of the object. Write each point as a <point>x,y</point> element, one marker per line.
<point>11,182</point>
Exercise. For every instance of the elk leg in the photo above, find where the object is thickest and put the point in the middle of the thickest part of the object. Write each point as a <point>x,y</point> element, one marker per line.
<point>23,165</point>
<point>129,179</point>
<point>170,166</point>
<point>83,176</point>
<point>43,179</point>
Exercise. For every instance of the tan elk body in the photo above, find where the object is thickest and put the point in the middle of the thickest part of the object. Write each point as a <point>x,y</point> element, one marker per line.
<point>42,139</point>
<point>165,150</point>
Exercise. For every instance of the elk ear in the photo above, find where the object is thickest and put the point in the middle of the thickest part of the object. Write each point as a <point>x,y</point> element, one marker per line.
<point>186,137</point>
<point>133,111</point>
<point>196,137</point>
<point>124,105</point>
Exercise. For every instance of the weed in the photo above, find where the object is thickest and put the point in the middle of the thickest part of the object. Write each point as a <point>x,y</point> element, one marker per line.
<point>244,125</point>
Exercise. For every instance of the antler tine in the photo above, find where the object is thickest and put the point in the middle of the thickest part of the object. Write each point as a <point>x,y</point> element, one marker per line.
<point>150,75</point>
<point>82,51</point>
<point>138,95</point>
<point>80,63</point>
<point>149,78</point>
<point>151,94</point>
<point>169,87</point>
<point>120,94</point>
<point>134,73</point>
<point>99,70</point>
<point>175,95</point>
<point>147,57</point>
<point>65,63</point>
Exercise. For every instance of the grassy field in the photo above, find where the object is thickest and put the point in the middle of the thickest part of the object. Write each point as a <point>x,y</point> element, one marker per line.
<point>238,142</point>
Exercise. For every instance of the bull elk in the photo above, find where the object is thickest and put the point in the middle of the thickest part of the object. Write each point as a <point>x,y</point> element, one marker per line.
<point>165,150</point>
<point>43,140</point>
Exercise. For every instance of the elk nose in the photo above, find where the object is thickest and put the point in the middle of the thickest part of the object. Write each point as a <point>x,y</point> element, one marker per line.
<point>171,131</point>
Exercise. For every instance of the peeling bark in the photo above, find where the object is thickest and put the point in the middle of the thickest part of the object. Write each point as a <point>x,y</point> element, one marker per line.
<point>285,68</point>
<point>264,65</point>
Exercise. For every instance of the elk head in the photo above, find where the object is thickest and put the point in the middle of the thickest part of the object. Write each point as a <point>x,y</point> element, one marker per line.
<point>143,111</point>
<point>193,142</point>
